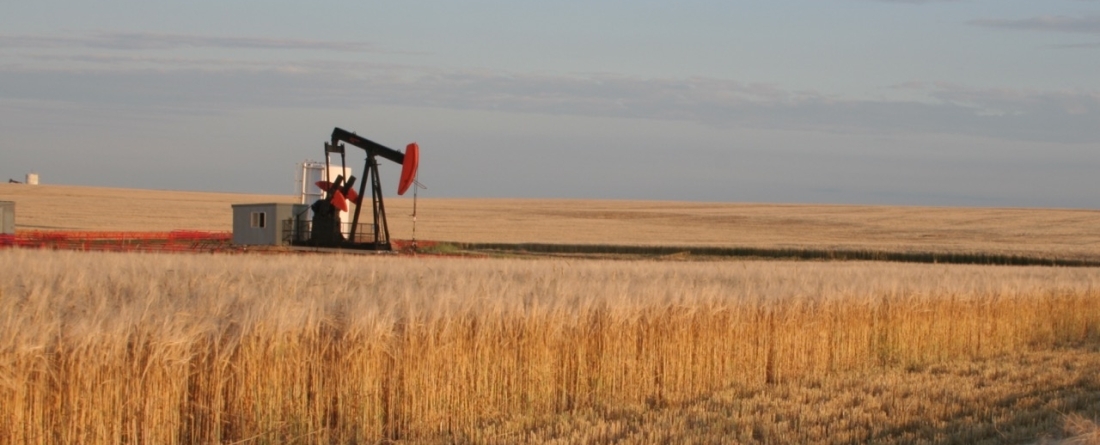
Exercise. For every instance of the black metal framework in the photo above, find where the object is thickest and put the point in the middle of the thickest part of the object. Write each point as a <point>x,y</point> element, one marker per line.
<point>325,229</point>
<point>378,207</point>
<point>298,231</point>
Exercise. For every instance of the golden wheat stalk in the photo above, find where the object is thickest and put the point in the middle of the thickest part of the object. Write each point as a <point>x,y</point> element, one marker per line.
<point>110,348</point>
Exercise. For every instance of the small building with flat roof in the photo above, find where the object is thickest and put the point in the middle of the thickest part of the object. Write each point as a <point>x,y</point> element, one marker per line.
<point>268,224</point>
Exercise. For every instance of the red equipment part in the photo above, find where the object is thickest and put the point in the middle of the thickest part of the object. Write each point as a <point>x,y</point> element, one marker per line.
<point>339,201</point>
<point>408,168</point>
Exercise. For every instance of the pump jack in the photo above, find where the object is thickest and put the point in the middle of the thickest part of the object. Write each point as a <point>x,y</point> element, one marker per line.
<point>326,230</point>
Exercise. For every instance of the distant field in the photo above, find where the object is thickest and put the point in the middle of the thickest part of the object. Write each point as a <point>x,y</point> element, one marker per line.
<point>1072,234</point>
<point>60,207</point>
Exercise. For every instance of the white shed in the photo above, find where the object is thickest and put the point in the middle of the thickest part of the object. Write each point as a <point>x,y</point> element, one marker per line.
<point>268,224</point>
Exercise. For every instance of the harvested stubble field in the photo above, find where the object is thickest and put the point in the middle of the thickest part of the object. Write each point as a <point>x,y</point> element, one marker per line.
<point>141,348</point>
<point>1043,233</point>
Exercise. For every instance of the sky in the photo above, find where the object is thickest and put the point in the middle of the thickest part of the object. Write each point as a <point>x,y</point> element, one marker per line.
<point>887,102</point>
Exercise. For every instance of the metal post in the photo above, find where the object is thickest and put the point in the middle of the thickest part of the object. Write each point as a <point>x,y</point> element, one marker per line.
<point>362,189</point>
<point>381,229</point>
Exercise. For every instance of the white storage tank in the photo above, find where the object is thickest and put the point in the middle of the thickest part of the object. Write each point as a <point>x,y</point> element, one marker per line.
<point>32,178</point>
<point>311,173</point>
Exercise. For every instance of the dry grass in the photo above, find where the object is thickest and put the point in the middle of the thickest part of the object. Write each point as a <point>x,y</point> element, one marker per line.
<point>1015,398</point>
<point>114,348</point>
<point>1081,430</point>
<point>1066,234</point>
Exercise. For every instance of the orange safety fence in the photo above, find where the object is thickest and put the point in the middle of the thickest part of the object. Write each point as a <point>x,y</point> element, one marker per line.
<point>412,245</point>
<point>174,241</point>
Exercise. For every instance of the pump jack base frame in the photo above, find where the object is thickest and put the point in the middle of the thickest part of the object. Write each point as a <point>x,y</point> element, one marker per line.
<point>381,232</point>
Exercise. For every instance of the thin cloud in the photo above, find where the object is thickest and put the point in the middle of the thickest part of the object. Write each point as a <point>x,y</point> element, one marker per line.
<point>162,41</point>
<point>1008,101</point>
<point>1085,24</point>
<point>918,2</point>
<point>1065,116</point>
<point>122,62</point>
<point>1056,116</point>
<point>1095,45</point>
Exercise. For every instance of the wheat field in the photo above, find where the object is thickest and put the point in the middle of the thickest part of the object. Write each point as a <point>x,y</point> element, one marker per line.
<point>102,348</point>
<point>1049,233</point>
<point>105,348</point>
